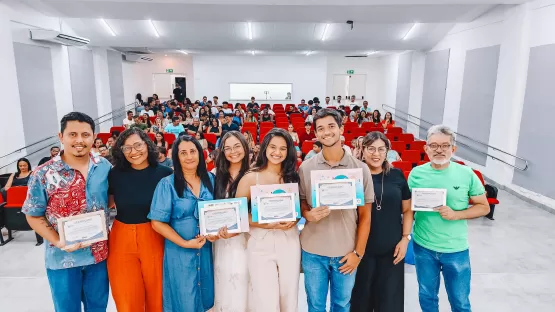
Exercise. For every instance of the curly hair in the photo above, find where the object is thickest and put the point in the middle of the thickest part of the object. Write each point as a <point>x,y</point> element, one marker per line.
<point>119,158</point>
<point>289,165</point>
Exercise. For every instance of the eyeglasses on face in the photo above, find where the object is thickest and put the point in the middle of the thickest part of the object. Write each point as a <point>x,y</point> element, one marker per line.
<point>138,146</point>
<point>381,150</point>
<point>229,150</point>
<point>435,146</point>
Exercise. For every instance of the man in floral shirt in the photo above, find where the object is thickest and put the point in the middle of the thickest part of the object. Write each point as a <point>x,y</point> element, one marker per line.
<point>72,183</point>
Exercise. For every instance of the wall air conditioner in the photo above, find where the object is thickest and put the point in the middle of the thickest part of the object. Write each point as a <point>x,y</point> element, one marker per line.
<point>137,58</point>
<point>57,37</point>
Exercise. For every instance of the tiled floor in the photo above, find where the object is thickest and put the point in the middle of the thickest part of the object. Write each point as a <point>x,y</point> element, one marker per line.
<point>512,258</point>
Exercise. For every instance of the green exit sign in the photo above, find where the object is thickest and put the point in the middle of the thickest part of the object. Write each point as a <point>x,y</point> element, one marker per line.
<point>169,70</point>
<point>350,71</point>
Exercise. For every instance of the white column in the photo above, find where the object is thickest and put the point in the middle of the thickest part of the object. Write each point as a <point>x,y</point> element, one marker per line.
<point>102,83</point>
<point>62,80</point>
<point>11,126</point>
<point>416,90</point>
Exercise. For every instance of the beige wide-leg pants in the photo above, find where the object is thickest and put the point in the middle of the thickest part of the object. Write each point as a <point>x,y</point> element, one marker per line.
<point>274,258</point>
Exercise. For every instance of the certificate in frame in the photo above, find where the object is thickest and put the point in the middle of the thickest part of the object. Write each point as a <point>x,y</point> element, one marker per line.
<point>428,199</point>
<point>346,190</point>
<point>231,212</point>
<point>274,189</point>
<point>87,228</point>
<point>287,215</point>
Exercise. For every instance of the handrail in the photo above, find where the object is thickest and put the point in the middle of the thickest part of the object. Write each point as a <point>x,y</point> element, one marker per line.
<point>54,136</point>
<point>385,106</point>
<point>122,112</point>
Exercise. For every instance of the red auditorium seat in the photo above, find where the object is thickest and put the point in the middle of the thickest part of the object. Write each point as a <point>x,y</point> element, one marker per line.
<point>14,219</point>
<point>399,147</point>
<point>152,119</point>
<point>276,106</point>
<point>377,129</point>
<point>262,106</point>
<point>266,125</point>
<point>282,125</point>
<point>402,165</point>
<point>152,136</point>
<point>119,128</point>
<point>169,138</point>
<point>288,105</point>
<point>491,201</point>
<point>308,143</point>
<point>211,138</point>
<point>243,106</point>
<point>350,127</point>
<point>395,130</point>
<point>392,137</point>
<point>417,145</point>
<point>406,137</point>
<point>306,148</point>
<point>420,163</point>
<point>332,107</point>
<point>103,136</point>
<point>249,124</point>
<point>461,162</point>
<point>406,173</point>
<point>411,156</point>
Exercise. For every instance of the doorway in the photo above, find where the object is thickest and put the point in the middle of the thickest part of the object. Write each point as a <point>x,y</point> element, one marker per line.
<point>164,83</point>
<point>180,81</point>
<point>347,85</point>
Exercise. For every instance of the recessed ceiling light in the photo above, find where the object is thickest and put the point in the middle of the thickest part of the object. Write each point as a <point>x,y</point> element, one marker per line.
<point>249,26</point>
<point>325,32</point>
<point>253,52</point>
<point>165,55</point>
<point>108,28</point>
<point>184,52</point>
<point>154,28</point>
<point>309,53</point>
<point>371,52</point>
<point>411,30</point>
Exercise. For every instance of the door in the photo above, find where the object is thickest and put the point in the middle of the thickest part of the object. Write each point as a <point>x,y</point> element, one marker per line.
<point>347,85</point>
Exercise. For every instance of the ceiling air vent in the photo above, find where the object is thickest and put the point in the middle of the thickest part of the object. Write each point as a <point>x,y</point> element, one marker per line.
<point>356,55</point>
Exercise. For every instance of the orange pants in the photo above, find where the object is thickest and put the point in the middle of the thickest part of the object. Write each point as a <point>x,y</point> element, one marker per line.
<point>135,261</point>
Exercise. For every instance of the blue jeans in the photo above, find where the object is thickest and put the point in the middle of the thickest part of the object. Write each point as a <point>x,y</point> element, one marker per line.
<point>87,284</point>
<point>321,271</point>
<point>456,275</point>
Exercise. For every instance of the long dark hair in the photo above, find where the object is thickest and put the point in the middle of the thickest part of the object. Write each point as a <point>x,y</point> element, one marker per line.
<point>379,116</point>
<point>289,165</point>
<point>179,178</point>
<point>390,117</point>
<point>223,177</point>
<point>119,158</point>
<point>156,140</point>
<point>373,137</point>
<point>25,160</point>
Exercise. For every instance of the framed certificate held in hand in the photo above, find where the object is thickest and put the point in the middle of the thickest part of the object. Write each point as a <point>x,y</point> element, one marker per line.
<point>87,228</point>
<point>428,199</point>
<point>216,214</point>
<point>275,203</point>
<point>336,194</point>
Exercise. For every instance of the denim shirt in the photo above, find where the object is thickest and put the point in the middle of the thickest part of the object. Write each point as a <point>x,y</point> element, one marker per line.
<point>57,191</point>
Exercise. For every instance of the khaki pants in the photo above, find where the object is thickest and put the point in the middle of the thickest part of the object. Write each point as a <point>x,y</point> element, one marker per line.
<point>274,258</point>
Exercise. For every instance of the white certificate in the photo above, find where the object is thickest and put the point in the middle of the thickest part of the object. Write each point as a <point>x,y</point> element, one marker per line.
<point>276,208</point>
<point>427,199</point>
<point>215,216</point>
<point>336,194</point>
<point>87,228</point>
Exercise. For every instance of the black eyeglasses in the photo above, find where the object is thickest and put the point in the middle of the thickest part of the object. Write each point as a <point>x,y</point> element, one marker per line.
<point>435,146</point>
<point>138,146</point>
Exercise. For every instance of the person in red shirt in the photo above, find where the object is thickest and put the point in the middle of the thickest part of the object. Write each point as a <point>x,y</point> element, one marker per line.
<point>388,121</point>
<point>307,134</point>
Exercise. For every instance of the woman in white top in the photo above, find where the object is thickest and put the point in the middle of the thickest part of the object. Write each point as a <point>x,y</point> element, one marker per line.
<point>96,146</point>
<point>294,135</point>
<point>188,118</point>
<point>274,249</point>
<point>231,275</point>
<point>310,118</point>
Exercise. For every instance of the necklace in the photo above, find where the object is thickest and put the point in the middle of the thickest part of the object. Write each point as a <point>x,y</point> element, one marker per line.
<point>379,204</point>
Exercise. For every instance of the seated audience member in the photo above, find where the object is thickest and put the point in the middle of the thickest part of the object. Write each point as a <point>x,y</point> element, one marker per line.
<point>163,159</point>
<point>148,111</point>
<point>215,127</point>
<point>294,136</point>
<point>388,121</point>
<point>306,108</point>
<point>310,118</point>
<point>249,139</point>
<point>110,143</point>
<point>292,110</point>
<point>255,152</point>
<point>362,117</point>
<point>157,126</point>
<point>215,100</point>
<point>250,117</point>
<point>194,128</point>
<point>219,139</point>
<point>96,146</point>
<point>175,127</point>
<point>160,141</point>
<point>188,118</point>
<point>358,148</point>
<point>229,125</point>
<point>252,103</point>
<point>354,114</point>
<point>365,107</point>
<point>265,115</point>
<point>200,138</point>
<point>115,135</point>
<point>327,103</point>
<point>345,147</point>
<point>307,134</point>
<point>129,120</point>
<point>54,151</point>
<point>105,152</point>
<point>238,118</point>
<point>376,117</point>
<point>316,148</point>
<point>226,108</point>
<point>146,121</point>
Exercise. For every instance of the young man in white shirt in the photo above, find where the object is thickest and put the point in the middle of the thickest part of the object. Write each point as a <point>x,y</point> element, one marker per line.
<point>226,108</point>
<point>338,101</point>
<point>129,120</point>
<point>353,103</point>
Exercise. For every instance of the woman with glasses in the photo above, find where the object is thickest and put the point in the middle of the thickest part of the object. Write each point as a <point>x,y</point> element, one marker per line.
<point>136,250</point>
<point>274,251</point>
<point>231,275</point>
<point>188,275</point>
<point>379,284</point>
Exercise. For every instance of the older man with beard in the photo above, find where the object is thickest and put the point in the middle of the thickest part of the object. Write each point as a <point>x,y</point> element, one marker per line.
<point>441,236</point>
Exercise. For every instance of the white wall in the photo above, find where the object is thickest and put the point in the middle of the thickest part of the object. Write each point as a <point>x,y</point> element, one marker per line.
<point>137,77</point>
<point>214,73</point>
<point>515,29</point>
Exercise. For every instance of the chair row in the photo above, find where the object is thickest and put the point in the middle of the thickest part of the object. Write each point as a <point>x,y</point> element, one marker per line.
<point>11,216</point>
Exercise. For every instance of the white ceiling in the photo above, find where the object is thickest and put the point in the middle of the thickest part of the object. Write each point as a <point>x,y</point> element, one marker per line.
<point>278,27</point>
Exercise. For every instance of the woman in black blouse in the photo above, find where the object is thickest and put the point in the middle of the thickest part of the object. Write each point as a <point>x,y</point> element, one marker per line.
<point>380,279</point>
<point>136,250</point>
